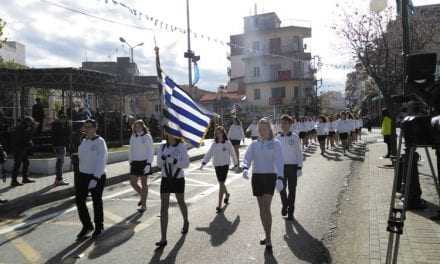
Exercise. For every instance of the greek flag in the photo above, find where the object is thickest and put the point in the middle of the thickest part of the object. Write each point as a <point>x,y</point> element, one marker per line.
<point>183,117</point>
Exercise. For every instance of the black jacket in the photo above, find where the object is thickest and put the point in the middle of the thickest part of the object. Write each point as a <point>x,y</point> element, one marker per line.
<point>23,137</point>
<point>60,133</point>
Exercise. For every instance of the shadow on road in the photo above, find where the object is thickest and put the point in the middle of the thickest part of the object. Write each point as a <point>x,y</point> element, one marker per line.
<point>72,253</point>
<point>220,229</point>
<point>115,236</point>
<point>171,257</point>
<point>304,246</point>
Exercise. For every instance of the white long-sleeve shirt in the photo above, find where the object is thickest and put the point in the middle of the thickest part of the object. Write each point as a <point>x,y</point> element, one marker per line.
<point>178,153</point>
<point>291,148</point>
<point>265,156</point>
<point>141,148</point>
<point>235,132</point>
<point>93,155</point>
<point>344,126</point>
<point>221,153</point>
<point>322,129</point>
<point>253,128</point>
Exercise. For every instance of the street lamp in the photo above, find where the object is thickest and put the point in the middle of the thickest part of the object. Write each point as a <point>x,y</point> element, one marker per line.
<point>121,39</point>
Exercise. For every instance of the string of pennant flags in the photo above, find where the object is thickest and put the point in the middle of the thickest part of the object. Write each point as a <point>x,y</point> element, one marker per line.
<point>163,25</point>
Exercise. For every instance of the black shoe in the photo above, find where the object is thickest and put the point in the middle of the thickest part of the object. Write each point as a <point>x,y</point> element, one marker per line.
<point>269,249</point>
<point>140,203</point>
<point>185,228</point>
<point>263,242</point>
<point>226,200</point>
<point>142,210</point>
<point>84,232</point>
<point>97,233</point>
<point>27,180</point>
<point>15,184</point>
<point>290,217</point>
<point>284,211</point>
<point>161,244</point>
<point>218,210</point>
<point>2,201</point>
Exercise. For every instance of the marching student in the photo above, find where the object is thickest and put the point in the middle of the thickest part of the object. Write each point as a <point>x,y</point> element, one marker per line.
<point>302,132</point>
<point>331,132</point>
<point>293,161</point>
<point>221,151</point>
<point>172,158</point>
<point>140,158</point>
<point>253,130</point>
<point>322,132</point>
<point>344,128</point>
<point>352,133</point>
<point>294,127</point>
<point>236,135</point>
<point>93,156</point>
<point>266,157</point>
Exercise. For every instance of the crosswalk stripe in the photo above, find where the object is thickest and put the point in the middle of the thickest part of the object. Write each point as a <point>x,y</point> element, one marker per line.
<point>29,253</point>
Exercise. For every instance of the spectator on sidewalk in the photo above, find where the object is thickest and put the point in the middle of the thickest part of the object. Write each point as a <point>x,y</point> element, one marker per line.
<point>387,131</point>
<point>60,140</point>
<point>3,157</point>
<point>38,114</point>
<point>93,156</point>
<point>23,146</point>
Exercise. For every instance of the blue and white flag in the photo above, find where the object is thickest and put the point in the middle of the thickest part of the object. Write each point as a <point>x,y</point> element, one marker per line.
<point>196,73</point>
<point>183,117</point>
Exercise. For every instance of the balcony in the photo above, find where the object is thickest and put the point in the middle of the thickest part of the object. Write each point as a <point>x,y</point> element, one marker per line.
<point>279,76</point>
<point>293,51</point>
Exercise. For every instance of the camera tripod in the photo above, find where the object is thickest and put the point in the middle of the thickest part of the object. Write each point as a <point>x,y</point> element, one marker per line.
<point>399,200</point>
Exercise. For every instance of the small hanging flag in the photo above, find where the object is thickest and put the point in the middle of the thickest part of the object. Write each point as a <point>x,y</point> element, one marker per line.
<point>196,73</point>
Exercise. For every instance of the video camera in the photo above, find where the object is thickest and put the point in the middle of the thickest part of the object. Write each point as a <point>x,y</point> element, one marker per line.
<point>421,82</point>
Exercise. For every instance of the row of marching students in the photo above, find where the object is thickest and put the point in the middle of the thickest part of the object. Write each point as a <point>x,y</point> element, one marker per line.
<point>276,163</point>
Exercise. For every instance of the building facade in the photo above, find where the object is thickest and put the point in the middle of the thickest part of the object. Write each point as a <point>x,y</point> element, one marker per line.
<point>269,62</point>
<point>13,51</point>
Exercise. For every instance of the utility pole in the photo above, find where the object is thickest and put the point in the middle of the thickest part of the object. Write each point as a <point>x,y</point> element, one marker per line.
<point>406,40</point>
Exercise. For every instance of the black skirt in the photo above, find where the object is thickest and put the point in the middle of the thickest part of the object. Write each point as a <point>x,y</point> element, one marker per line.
<point>263,183</point>
<point>343,136</point>
<point>322,137</point>
<point>221,172</point>
<point>172,185</point>
<point>137,167</point>
<point>235,142</point>
<point>331,133</point>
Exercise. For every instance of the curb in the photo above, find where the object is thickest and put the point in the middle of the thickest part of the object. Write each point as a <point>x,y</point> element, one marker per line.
<point>32,200</point>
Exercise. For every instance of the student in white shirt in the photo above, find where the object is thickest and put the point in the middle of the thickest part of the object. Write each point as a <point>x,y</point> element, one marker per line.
<point>302,132</point>
<point>253,130</point>
<point>266,158</point>
<point>236,135</point>
<point>331,132</point>
<point>344,129</point>
<point>322,132</point>
<point>352,134</point>
<point>140,158</point>
<point>293,160</point>
<point>92,161</point>
<point>294,127</point>
<point>172,158</point>
<point>221,151</point>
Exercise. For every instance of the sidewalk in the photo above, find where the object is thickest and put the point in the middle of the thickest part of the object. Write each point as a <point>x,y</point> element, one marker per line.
<point>42,191</point>
<point>363,214</point>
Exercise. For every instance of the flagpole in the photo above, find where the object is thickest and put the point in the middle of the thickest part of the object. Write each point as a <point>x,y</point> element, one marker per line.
<point>406,40</point>
<point>159,79</point>
<point>189,54</point>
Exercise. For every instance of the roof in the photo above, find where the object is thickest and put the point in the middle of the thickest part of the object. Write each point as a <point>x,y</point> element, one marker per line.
<point>74,79</point>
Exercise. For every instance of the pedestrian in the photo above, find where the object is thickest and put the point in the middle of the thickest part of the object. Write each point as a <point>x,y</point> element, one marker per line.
<point>236,135</point>
<point>3,157</point>
<point>266,157</point>
<point>93,156</point>
<point>322,132</point>
<point>293,161</point>
<point>140,158</point>
<point>221,152</point>
<point>387,131</point>
<point>253,130</point>
<point>23,146</point>
<point>332,132</point>
<point>344,128</point>
<point>302,132</point>
<point>172,158</point>
<point>60,140</point>
<point>38,114</point>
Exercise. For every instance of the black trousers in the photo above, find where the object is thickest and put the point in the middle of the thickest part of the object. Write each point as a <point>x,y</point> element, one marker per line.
<point>290,181</point>
<point>388,140</point>
<point>21,156</point>
<point>81,193</point>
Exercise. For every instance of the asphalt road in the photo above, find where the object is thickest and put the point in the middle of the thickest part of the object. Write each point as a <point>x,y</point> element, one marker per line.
<point>47,234</point>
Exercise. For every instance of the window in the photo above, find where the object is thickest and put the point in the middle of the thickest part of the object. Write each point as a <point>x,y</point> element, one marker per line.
<point>256,72</point>
<point>256,46</point>
<point>257,94</point>
<point>275,45</point>
<point>296,92</point>
<point>274,69</point>
<point>279,92</point>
